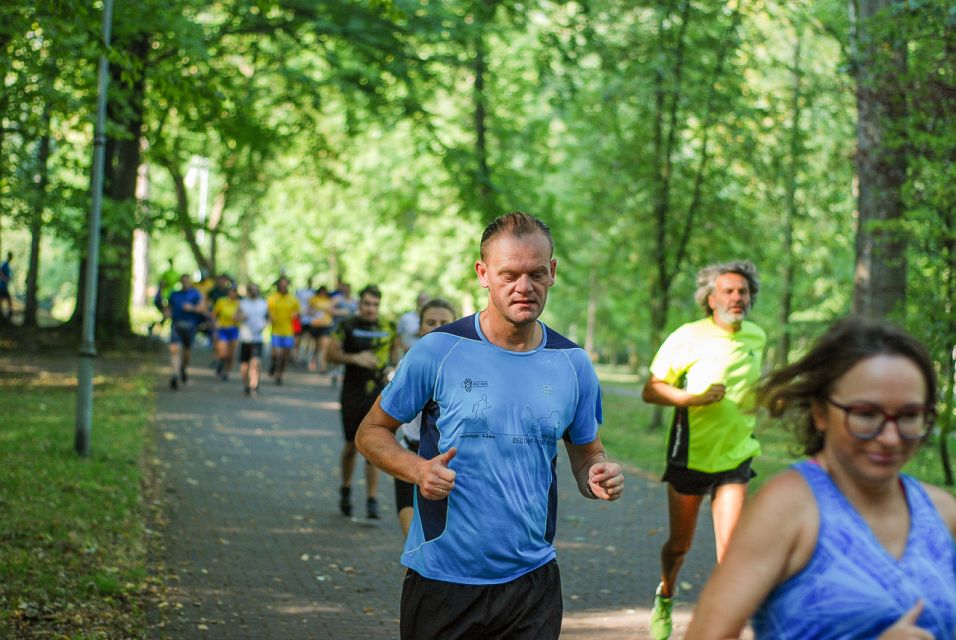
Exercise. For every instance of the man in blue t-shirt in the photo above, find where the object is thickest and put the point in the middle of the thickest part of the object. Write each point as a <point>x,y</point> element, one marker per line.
<point>497,390</point>
<point>187,309</point>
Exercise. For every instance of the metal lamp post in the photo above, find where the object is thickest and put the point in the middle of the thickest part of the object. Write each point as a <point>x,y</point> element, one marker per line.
<point>84,392</point>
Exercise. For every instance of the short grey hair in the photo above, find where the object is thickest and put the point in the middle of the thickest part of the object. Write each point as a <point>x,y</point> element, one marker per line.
<point>707,276</point>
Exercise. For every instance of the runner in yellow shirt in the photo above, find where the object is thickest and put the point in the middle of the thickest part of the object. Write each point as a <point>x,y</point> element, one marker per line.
<point>283,307</point>
<point>707,371</point>
<point>227,331</point>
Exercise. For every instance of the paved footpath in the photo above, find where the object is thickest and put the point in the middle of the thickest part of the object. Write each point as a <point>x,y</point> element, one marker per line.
<point>254,545</point>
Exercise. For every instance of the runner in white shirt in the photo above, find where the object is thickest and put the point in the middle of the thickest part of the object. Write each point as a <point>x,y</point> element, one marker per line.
<point>254,317</point>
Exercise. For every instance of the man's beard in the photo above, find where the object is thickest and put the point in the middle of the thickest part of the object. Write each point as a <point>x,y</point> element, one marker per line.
<point>731,317</point>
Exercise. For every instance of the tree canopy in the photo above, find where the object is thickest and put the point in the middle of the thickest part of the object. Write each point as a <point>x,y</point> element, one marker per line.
<point>372,140</point>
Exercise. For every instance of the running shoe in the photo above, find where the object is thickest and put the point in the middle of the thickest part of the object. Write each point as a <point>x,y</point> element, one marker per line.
<point>661,623</point>
<point>182,374</point>
<point>345,501</point>
<point>371,509</point>
<point>174,383</point>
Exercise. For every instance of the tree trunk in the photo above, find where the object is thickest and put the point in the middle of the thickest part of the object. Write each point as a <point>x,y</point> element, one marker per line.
<point>669,253</point>
<point>485,187</point>
<point>125,113</point>
<point>790,212</point>
<point>36,222</point>
<point>119,186</point>
<point>182,214</point>
<point>141,277</point>
<point>949,359</point>
<point>880,280</point>
<point>215,221</point>
<point>665,118</point>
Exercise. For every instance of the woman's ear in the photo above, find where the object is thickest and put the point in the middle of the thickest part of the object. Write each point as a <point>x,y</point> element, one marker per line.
<point>818,412</point>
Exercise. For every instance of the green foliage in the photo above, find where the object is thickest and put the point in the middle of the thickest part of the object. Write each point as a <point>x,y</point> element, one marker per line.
<point>371,141</point>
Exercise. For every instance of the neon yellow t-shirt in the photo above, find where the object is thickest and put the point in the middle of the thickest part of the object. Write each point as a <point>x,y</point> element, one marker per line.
<point>282,308</point>
<point>321,306</point>
<point>719,436</point>
<point>225,312</point>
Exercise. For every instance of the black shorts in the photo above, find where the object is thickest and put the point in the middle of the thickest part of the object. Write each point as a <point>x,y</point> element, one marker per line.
<point>353,412</point>
<point>527,608</point>
<point>698,483</point>
<point>182,332</point>
<point>319,332</point>
<point>404,491</point>
<point>250,350</point>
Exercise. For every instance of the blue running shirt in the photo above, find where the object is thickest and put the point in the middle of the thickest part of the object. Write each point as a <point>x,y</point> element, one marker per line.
<point>505,412</point>
<point>852,587</point>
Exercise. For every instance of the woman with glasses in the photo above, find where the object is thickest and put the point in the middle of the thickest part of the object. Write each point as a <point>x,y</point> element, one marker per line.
<point>844,545</point>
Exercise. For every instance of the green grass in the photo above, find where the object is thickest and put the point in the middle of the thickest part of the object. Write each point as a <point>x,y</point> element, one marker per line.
<point>628,436</point>
<point>72,539</point>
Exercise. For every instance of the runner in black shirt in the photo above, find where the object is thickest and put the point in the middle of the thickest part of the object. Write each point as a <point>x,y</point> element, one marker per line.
<point>367,347</point>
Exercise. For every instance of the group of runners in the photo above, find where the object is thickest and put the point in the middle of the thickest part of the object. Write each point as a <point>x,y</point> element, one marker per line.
<point>234,321</point>
<point>468,418</point>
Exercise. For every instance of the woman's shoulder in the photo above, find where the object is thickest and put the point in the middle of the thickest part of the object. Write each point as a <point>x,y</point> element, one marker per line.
<point>786,499</point>
<point>945,504</point>
<point>787,487</point>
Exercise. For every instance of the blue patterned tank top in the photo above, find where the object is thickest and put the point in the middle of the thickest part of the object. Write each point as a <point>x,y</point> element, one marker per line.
<point>852,587</point>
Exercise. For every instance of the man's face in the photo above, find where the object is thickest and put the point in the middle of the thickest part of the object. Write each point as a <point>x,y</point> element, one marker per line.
<point>253,291</point>
<point>517,271</point>
<point>282,285</point>
<point>368,307</point>
<point>186,282</point>
<point>730,300</point>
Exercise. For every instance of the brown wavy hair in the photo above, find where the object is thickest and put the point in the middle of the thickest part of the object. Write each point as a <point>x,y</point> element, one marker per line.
<point>789,392</point>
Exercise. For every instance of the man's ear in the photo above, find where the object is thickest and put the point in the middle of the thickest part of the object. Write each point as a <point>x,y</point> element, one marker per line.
<point>482,270</point>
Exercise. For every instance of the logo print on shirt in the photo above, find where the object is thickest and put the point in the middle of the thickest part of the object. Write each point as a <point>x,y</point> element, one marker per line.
<point>468,384</point>
<point>477,423</point>
<point>547,389</point>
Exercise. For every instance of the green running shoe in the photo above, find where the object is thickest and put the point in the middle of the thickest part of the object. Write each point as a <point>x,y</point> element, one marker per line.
<point>661,624</point>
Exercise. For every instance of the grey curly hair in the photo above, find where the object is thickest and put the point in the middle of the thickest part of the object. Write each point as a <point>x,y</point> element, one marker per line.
<point>709,274</point>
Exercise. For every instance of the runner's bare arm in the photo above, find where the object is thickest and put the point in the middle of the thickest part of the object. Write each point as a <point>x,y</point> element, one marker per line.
<point>656,391</point>
<point>774,539</point>
<point>597,477</point>
<point>335,355</point>
<point>376,441</point>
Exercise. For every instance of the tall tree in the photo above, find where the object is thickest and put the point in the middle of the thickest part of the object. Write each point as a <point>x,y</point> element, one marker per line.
<point>879,61</point>
<point>39,201</point>
<point>788,258</point>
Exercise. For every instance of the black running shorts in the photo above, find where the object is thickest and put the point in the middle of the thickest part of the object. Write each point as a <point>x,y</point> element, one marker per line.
<point>527,608</point>
<point>250,350</point>
<point>698,483</point>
